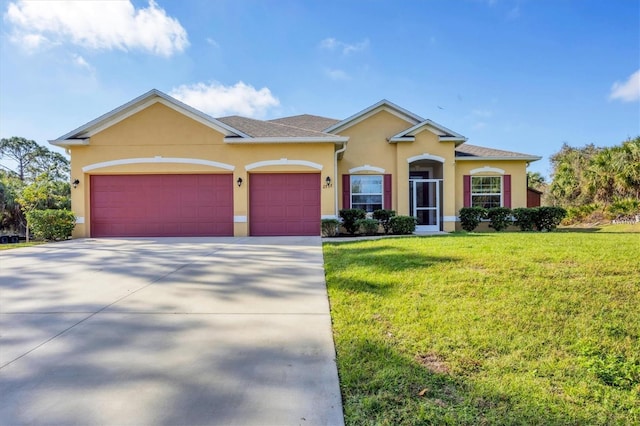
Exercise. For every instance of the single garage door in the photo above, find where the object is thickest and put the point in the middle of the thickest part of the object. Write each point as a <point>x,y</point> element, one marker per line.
<point>161,205</point>
<point>284,204</point>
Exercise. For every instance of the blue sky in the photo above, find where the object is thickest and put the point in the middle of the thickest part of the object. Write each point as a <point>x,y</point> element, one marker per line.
<point>509,74</point>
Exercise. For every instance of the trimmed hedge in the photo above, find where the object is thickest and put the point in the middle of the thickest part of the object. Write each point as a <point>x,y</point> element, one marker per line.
<point>368,226</point>
<point>329,227</point>
<point>499,217</point>
<point>403,225</point>
<point>50,224</point>
<point>523,218</point>
<point>350,218</point>
<point>470,217</point>
<point>548,218</point>
<point>384,217</point>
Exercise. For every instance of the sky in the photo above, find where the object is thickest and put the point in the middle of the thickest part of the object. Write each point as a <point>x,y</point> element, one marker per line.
<point>524,76</point>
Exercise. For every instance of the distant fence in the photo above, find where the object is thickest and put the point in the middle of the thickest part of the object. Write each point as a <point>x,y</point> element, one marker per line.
<point>630,219</point>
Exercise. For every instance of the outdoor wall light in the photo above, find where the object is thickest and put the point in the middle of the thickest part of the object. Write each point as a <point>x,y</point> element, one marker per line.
<point>75,183</point>
<point>239,182</point>
<point>328,181</point>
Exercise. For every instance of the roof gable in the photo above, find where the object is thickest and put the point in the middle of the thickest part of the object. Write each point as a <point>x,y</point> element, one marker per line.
<point>439,130</point>
<point>81,135</point>
<point>383,105</point>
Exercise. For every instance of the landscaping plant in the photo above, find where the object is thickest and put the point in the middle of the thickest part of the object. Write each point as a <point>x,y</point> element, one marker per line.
<point>368,226</point>
<point>384,217</point>
<point>499,218</point>
<point>350,218</point>
<point>470,217</point>
<point>329,227</point>
<point>51,225</point>
<point>403,225</point>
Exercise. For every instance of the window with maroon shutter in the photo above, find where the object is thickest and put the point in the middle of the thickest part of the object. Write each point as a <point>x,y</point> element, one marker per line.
<point>387,204</point>
<point>346,191</point>
<point>489,191</point>
<point>367,192</point>
<point>506,188</point>
<point>466,180</point>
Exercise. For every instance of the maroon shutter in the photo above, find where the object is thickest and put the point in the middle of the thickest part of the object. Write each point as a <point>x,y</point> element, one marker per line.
<point>346,191</point>
<point>386,202</point>
<point>466,182</point>
<point>506,188</point>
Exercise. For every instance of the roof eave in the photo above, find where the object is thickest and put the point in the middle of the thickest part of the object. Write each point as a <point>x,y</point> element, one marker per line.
<point>267,140</point>
<point>522,158</point>
<point>69,142</point>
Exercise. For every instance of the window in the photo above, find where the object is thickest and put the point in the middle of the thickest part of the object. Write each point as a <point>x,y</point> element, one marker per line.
<point>486,191</point>
<point>366,192</point>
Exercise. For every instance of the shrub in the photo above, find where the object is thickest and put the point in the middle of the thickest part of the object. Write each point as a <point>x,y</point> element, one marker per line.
<point>579,213</point>
<point>403,225</point>
<point>51,224</point>
<point>500,218</point>
<point>470,217</point>
<point>384,217</point>
<point>368,226</point>
<point>329,227</point>
<point>548,218</point>
<point>624,207</point>
<point>524,218</point>
<point>350,218</point>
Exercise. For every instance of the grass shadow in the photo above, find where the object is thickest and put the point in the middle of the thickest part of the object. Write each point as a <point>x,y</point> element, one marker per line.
<point>380,385</point>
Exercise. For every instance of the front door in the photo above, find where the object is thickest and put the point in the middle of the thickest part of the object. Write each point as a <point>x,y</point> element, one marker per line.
<point>424,199</point>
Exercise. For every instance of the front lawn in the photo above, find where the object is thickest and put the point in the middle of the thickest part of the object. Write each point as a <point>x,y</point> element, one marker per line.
<point>515,328</point>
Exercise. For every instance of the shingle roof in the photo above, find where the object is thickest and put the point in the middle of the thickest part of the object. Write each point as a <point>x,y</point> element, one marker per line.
<point>307,121</point>
<point>474,151</point>
<point>266,129</point>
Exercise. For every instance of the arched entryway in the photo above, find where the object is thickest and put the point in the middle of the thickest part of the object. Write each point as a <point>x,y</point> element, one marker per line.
<point>425,193</point>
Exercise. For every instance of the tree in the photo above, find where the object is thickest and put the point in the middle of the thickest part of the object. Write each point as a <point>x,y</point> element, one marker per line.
<point>591,174</point>
<point>11,216</point>
<point>535,180</point>
<point>44,193</point>
<point>32,159</point>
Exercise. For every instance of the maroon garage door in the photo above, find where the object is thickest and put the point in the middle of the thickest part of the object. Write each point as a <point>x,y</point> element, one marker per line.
<point>161,205</point>
<point>284,204</point>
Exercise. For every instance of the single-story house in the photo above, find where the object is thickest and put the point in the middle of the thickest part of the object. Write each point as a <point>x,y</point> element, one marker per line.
<point>157,167</point>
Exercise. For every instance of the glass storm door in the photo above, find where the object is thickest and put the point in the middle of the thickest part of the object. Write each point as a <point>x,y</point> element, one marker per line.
<point>424,199</point>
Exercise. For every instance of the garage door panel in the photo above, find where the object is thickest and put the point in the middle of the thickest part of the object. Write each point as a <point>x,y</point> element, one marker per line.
<point>162,205</point>
<point>284,204</point>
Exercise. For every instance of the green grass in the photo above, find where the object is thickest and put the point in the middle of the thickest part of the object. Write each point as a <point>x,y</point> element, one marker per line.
<point>18,245</point>
<point>515,328</point>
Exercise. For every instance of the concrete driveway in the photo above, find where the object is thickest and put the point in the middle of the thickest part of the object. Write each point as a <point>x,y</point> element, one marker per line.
<point>172,331</point>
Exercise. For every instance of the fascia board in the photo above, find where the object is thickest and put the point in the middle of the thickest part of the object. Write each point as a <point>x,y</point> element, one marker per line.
<point>69,142</point>
<point>527,158</point>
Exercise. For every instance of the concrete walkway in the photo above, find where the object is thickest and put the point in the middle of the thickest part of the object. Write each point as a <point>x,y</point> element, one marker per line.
<point>173,331</point>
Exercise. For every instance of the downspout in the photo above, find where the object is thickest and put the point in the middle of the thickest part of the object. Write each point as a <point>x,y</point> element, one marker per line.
<point>335,172</point>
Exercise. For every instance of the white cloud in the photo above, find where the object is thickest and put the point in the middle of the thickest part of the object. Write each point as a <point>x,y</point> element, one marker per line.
<point>96,25</point>
<point>346,48</point>
<point>479,125</point>
<point>628,91</point>
<point>81,62</point>
<point>218,100</point>
<point>212,42</point>
<point>337,74</point>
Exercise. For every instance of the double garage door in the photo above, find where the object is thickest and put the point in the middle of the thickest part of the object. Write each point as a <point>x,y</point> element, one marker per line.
<point>202,205</point>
